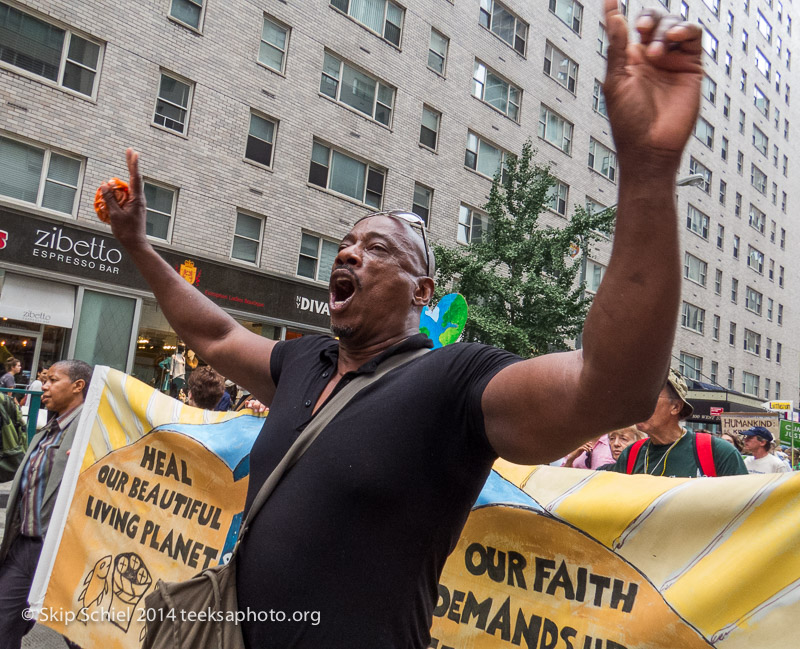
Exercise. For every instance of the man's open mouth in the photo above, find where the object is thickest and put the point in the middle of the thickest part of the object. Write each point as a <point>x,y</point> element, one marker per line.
<point>343,286</point>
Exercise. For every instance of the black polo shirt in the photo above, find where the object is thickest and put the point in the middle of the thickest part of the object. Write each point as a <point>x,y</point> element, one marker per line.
<point>359,529</point>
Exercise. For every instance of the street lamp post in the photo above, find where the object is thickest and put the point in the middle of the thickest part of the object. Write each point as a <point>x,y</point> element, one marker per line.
<point>693,180</point>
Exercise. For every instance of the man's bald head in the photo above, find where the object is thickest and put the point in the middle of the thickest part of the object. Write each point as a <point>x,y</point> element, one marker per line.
<point>414,227</point>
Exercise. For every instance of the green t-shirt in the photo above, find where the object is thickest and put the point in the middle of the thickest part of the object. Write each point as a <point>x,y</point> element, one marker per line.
<point>681,460</point>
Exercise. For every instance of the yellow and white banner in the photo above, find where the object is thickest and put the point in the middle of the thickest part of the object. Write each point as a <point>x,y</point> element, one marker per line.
<point>153,489</point>
<point>550,558</point>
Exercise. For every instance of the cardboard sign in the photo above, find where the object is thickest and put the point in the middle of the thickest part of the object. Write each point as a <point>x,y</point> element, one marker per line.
<point>738,422</point>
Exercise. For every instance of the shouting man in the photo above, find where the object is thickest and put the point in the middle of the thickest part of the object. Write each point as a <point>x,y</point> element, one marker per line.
<point>359,529</point>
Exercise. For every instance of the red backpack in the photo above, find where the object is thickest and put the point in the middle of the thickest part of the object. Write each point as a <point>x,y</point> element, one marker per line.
<point>702,453</point>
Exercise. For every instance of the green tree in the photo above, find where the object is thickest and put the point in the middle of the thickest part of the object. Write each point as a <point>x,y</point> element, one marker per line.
<point>518,278</point>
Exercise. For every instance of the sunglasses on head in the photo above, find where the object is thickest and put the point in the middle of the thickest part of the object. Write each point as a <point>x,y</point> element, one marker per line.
<point>415,221</point>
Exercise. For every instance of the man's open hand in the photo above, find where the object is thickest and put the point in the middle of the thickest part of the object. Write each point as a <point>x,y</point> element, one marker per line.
<point>652,88</point>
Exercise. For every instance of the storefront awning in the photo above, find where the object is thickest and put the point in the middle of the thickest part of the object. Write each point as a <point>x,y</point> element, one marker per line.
<point>728,400</point>
<point>36,300</point>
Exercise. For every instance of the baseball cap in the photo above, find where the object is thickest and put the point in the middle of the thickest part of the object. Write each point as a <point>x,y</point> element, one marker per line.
<point>758,431</point>
<point>679,385</point>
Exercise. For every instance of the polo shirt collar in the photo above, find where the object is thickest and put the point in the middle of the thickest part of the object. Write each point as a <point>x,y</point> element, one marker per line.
<point>417,341</point>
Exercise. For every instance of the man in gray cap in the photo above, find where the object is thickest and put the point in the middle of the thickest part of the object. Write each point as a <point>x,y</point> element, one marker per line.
<point>758,442</point>
<point>672,450</point>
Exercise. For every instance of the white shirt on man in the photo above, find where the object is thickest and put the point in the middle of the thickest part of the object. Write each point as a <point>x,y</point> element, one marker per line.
<point>767,464</point>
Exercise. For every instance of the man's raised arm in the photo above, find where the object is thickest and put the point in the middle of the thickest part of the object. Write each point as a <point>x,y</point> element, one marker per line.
<point>232,350</point>
<point>540,409</point>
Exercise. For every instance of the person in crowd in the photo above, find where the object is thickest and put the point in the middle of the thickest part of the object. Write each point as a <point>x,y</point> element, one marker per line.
<point>671,449</point>
<point>402,464</point>
<point>33,495</point>
<point>734,439</point>
<point>36,384</point>
<point>758,444</point>
<point>13,367</point>
<point>591,455</point>
<point>619,440</point>
<point>206,387</point>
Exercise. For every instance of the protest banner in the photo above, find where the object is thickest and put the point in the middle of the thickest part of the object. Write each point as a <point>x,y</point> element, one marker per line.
<point>550,558</point>
<point>738,422</point>
<point>153,490</point>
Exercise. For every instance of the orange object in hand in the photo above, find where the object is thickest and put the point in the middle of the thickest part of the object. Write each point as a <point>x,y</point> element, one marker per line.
<point>120,188</point>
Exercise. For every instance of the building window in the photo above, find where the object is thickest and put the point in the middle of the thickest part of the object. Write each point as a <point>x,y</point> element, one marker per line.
<point>173,103</point>
<point>728,61</point>
<point>758,179</point>
<point>783,239</point>
<point>423,197</point>
<point>771,270</point>
<point>691,366</point>
<point>557,198</point>
<point>684,10</point>
<point>763,64</point>
<point>709,89</point>
<point>602,42</point>
<point>778,350</point>
<point>778,383</point>
<point>739,162</point>
<point>736,246</point>
<point>780,314</point>
<point>737,208</point>
<point>723,150</point>
<point>160,210</point>
<point>499,20</point>
<point>560,67</point>
<point>760,140</point>
<point>599,100</point>
<point>569,12</point>
<point>490,87</point>
<point>760,101</point>
<point>780,277</point>
<point>555,129</point>
<point>274,43</point>
<point>741,121</point>
<point>785,166</point>
<point>383,17</point>
<point>44,50</point>
<point>734,290</point>
<point>316,257</point>
<point>715,328</point>
<point>697,222</point>
<point>471,225</point>
<point>720,236</point>
<point>718,282</point>
<point>694,269</point>
<point>696,168</point>
<point>602,159</point>
<point>483,157</point>
<point>693,317</point>
<point>768,349</point>
<point>429,129</point>
<point>343,174</point>
<point>774,194</point>
<point>758,219</point>
<point>752,300</point>
<point>714,372</point>
<point>766,388</point>
<point>247,238</point>
<point>594,275</point>
<point>732,334</point>
<point>750,383</point>
<point>743,82</point>
<point>704,132</point>
<point>39,176</point>
<point>260,140</point>
<point>726,106</point>
<point>723,189</point>
<point>188,12</point>
<point>437,52</point>
<point>752,342</point>
<point>763,26</point>
<point>783,202</point>
<point>729,23</point>
<point>710,44</point>
<point>744,40</point>
<point>343,83</point>
<point>731,377</point>
<point>777,88</point>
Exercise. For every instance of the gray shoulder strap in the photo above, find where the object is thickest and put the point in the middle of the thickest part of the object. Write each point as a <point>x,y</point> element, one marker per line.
<point>320,420</point>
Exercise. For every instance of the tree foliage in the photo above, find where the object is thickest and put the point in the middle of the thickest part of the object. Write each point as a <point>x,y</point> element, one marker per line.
<point>519,279</point>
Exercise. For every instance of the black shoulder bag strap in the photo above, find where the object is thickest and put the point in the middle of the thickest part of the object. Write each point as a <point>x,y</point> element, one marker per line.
<point>320,420</point>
